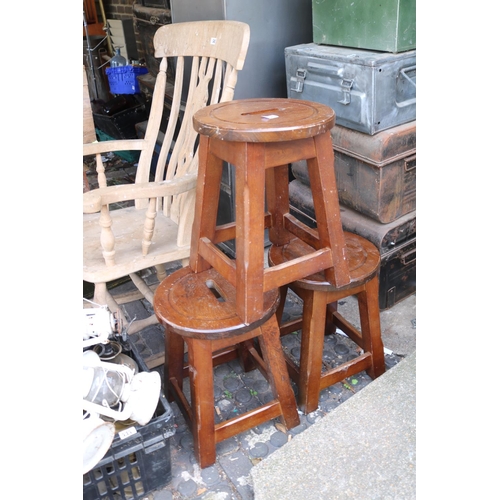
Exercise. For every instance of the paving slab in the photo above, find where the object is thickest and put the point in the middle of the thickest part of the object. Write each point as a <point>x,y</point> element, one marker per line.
<point>363,449</point>
<point>398,323</point>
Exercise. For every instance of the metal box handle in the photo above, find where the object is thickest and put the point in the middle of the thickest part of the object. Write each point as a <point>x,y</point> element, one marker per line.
<point>410,163</point>
<point>298,79</point>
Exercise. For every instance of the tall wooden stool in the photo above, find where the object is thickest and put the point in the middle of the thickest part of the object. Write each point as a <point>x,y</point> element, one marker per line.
<point>199,309</point>
<point>317,293</point>
<point>260,137</point>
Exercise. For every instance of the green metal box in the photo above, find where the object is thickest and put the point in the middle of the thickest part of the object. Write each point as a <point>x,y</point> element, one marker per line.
<point>385,25</point>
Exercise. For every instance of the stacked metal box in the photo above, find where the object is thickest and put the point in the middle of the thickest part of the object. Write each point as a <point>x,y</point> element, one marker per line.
<point>362,64</point>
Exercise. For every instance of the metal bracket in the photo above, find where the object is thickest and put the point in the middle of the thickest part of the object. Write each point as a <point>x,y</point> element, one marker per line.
<point>346,86</point>
<point>300,76</point>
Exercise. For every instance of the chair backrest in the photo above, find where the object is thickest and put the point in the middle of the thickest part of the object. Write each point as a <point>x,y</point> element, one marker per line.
<point>216,51</point>
<point>88,119</point>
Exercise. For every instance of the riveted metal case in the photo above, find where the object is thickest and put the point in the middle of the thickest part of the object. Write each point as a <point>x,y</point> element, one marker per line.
<point>376,174</point>
<point>396,242</point>
<point>369,91</point>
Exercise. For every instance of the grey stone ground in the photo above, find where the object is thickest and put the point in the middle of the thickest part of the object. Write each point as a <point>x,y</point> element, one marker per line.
<point>363,449</point>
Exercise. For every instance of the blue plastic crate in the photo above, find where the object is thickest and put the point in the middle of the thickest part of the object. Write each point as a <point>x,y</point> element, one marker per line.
<point>123,79</point>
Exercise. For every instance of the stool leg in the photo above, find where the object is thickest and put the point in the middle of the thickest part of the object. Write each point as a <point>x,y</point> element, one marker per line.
<point>281,306</point>
<point>207,202</point>
<point>249,210</point>
<point>246,360</point>
<point>202,400</point>
<point>330,311</point>
<point>174,361</point>
<point>369,314</point>
<point>278,203</point>
<point>327,208</point>
<point>311,349</point>
<point>272,353</point>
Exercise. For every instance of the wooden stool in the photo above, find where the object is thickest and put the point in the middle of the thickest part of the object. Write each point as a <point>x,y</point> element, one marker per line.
<point>199,309</point>
<point>317,293</point>
<point>260,137</point>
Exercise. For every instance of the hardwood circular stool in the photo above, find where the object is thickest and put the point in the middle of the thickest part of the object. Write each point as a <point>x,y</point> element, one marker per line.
<point>260,138</point>
<point>317,293</point>
<point>199,309</point>
<point>220,302</point>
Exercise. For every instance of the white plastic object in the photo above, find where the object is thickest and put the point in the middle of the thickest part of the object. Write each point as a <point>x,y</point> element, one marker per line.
<point>97,438</point>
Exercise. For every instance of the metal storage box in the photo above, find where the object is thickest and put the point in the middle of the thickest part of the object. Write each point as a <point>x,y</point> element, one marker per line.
<point>386,25</point>
<point>376,174</point>
<point>369,91</point>
<point>396,242</point>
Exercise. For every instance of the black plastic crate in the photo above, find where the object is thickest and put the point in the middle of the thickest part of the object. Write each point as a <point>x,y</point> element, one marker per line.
<point>138,463</point>
<point>121,125</point>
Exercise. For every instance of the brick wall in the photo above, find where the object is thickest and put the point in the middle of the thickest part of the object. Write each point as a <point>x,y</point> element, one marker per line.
<point>122,9</point>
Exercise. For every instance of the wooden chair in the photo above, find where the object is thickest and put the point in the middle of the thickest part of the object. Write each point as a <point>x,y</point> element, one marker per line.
<point>157,229</point>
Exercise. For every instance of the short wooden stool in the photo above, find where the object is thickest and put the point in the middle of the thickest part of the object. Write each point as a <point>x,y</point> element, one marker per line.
<point>199,309</point>
<point>316,294</point>
<point>259,138</point>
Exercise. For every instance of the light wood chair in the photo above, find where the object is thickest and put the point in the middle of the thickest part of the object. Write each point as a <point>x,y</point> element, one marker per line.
<point>124,241</point>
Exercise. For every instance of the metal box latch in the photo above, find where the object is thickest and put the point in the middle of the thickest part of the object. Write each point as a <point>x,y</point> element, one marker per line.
<point>298,80</point>
<point>346,86</point>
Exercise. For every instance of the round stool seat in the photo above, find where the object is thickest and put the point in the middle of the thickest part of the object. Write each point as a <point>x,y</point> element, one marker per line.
<point>264,120</point>
<point>202,305</point>
<point>362,255</point>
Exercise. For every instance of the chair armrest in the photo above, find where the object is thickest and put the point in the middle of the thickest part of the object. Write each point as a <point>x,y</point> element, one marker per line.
<point>93,148</point>
<point>94,200</point>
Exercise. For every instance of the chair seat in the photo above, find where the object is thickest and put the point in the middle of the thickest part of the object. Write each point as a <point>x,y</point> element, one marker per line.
<point>363,260</point>
<point>128,227</point>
